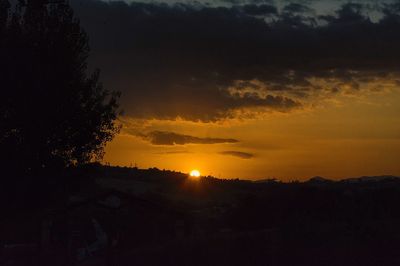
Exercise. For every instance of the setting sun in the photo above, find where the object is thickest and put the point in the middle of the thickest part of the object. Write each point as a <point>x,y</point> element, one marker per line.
<point>195,173</point>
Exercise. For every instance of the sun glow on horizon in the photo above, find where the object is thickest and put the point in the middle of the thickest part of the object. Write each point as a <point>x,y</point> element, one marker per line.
<point>194,173</point>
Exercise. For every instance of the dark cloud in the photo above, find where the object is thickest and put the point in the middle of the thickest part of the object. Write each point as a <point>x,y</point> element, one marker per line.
<point>239,154</point>
<point>296,8</point>
<point>184,61</point>
<point>349,14</point>
<point>257,10</point>
<point>241,2</point>
<point>172,138</point>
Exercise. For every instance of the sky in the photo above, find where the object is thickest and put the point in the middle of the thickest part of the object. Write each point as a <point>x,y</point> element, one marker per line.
<point>251,89</point>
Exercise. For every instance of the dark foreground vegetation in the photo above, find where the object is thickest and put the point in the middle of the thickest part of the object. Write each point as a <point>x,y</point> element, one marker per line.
<point>57,209</point>
<point>129,216</point>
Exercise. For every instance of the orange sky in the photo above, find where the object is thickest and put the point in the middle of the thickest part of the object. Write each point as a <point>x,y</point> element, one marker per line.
<point>283,90</point>
<point>344,136</point>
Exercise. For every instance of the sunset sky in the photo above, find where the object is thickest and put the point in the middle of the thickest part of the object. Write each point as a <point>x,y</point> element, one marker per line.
<point>252,89</point>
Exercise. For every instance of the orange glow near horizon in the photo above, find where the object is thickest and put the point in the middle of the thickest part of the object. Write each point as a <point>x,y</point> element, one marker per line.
<point>354,137</point>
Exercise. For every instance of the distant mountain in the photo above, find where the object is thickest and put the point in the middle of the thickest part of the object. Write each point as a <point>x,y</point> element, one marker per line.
<point>266,180</point>
<point>370,178</point>
<point>319,179</point>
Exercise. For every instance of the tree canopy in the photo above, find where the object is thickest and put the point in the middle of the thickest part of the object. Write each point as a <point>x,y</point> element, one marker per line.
<point>53,114</point>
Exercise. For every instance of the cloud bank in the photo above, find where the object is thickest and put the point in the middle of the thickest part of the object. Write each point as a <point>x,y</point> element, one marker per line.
<point>202,63</point>
<point>172,138</point>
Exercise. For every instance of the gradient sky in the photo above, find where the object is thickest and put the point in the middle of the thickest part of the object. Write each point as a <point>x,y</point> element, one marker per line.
<point>252,89</point>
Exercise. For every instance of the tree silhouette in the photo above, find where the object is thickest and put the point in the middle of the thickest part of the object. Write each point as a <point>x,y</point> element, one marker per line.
<point>52,113</point>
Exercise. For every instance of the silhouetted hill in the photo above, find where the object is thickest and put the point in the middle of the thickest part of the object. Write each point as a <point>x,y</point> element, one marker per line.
<point>319,179</point>
<point>155,174</point>
<point>161,217</point>
<point>371,178</point>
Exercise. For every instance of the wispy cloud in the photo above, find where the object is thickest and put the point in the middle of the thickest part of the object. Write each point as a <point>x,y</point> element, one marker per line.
<point>172,138</point>
<point>239,154</point>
